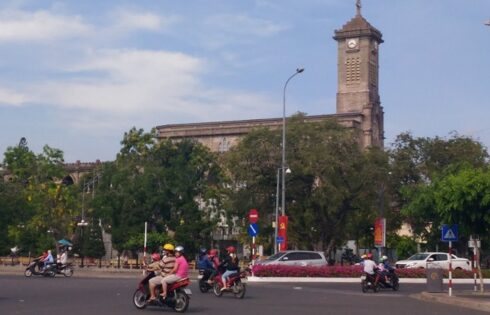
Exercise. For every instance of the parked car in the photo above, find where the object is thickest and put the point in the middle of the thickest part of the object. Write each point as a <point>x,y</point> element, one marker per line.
<point>421,260</point>
<point>295,258</point>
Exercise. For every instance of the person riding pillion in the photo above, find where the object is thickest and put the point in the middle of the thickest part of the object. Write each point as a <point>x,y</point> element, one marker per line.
<point>179,272</point>
<point>231,264</point>
<point>213,257</point>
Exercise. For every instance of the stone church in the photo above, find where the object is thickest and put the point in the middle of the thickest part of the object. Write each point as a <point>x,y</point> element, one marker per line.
<point>358,103</point>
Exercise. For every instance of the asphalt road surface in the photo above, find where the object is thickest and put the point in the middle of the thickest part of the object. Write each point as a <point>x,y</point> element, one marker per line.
<point>93,296</point>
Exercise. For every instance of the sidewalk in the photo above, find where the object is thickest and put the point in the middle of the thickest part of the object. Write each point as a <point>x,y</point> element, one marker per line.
<point>93,272</point>
<point>468,299</point>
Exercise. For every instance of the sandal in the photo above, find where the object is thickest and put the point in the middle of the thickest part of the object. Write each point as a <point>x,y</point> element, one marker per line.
<point>151,300</point>
<point>163,296</point>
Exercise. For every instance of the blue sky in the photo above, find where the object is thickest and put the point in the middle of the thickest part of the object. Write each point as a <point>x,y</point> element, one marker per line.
<point>77,74</point>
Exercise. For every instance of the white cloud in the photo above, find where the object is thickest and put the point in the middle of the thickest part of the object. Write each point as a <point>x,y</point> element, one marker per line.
<point>129,20</point>
<point>16,26</point>
<point>245,25</point>
<point>125,81</point>
<point>142,87</point>
<point>8,97</point>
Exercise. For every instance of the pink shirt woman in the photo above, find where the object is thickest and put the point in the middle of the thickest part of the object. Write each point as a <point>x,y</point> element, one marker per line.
<point>182,267</point>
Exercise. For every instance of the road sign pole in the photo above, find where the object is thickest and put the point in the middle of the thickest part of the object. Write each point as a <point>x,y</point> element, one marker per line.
<point>474,267</point>
<point>450,268</point>
<point>253,254</point>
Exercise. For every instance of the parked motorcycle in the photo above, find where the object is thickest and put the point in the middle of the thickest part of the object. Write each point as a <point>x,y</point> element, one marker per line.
<point>35,267</point>
<point>370,282</point>
<point>236,284</point>
<point>178,295</point>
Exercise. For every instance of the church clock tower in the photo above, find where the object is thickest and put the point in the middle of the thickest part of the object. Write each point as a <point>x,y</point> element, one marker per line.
<point>358,68</point>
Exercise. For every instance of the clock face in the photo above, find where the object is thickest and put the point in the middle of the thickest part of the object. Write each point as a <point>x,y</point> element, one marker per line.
<point>352,43</point>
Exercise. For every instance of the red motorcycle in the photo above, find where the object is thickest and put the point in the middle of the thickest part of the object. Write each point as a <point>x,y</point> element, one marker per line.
<point>178,295</point>
<point>236,284</point>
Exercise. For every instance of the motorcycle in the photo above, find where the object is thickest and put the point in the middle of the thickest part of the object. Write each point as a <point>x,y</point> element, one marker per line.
<point>35,267</point>
<point>66,270</point>
<point>393,281</point>
<point>370,282</point>
<point>203,278</point>
<point>178,295</point>
<point>236,284</point>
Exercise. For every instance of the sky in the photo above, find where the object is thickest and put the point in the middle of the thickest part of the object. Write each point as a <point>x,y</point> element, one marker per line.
<point>76,75</point>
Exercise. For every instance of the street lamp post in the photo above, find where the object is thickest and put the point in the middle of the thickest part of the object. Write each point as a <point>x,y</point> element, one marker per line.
<point>277,210</point>
<point>283,163</point>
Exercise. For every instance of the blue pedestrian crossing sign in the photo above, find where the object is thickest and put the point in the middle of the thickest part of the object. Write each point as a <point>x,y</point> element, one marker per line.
<point>449,233</point>
<point>253,229</point>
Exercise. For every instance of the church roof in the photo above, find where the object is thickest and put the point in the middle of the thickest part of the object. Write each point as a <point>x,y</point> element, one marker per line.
<point>358,27</point>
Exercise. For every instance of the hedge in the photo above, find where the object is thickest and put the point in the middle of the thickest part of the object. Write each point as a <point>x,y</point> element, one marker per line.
<point>344,272</point>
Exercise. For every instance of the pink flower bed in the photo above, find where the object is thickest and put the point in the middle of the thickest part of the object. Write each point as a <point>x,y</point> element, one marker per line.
<point>339,272</point>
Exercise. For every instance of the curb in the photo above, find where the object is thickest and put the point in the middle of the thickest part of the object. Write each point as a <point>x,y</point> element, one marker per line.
<point>444,298</point>
<point>347,280</point>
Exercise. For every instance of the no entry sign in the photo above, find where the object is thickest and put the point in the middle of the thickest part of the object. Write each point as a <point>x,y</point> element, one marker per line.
<point>253,216</point>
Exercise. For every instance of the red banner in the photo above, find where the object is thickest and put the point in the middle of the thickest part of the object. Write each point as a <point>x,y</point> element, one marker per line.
<point>282,232</point>
<point>380,232</point>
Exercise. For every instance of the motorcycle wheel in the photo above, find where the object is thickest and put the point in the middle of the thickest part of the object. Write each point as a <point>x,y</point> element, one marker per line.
<point>181,302</point>
<point>239,290</point>
<point>28,273</point>
<point>139,299</point>
<point>203,286</point>
<point>68,272</point>
<point>395,285</point>
<point>50,274</point>
<point>364,287</point>
<point>217,290</point>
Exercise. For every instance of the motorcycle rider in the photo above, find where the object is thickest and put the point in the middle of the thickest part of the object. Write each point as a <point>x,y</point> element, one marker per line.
<point>204,263</point>
<point>385,268</point>
<point>48,260</point>
<point>369,265</point>
<point>213,256</point>
<point>167,264</point>
<point>62,259</point>
<point>180,271</point>
<point>155,265</point>
<point>231,264</point>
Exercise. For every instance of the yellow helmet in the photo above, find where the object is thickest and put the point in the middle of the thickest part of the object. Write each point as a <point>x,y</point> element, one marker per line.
<point>168,247</point>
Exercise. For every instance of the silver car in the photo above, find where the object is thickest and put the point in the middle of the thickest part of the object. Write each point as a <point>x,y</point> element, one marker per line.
<point>295,258</point>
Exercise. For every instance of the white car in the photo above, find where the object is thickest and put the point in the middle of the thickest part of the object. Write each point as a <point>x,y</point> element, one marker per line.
<point>295,258</point>
<point>437,259</point>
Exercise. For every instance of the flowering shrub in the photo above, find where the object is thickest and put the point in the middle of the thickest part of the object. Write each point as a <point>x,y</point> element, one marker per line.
<point>339,272</point>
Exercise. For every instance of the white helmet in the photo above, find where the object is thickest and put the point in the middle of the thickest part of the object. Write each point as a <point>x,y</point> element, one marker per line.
<point>179,249</point>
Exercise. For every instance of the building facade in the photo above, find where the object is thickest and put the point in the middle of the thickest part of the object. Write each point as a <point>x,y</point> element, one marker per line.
<point>358,102</point>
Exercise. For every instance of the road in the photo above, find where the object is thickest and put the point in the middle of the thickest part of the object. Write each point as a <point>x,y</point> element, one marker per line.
<point>93,296</point>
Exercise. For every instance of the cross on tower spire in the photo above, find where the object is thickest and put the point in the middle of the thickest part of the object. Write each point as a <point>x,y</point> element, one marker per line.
<point>358,7</point>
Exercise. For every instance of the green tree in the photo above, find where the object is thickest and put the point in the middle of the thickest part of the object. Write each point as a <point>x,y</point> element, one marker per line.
<point>37,200</point>
<point>332,180</point>
<point>416,163</point>
<point>172,186</point>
